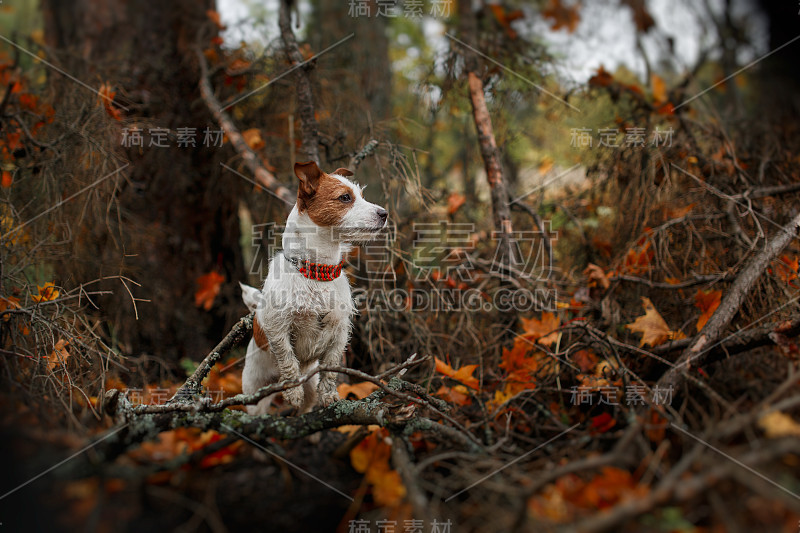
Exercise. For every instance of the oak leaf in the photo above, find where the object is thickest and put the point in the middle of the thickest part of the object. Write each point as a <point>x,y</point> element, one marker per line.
<point>463,375</point>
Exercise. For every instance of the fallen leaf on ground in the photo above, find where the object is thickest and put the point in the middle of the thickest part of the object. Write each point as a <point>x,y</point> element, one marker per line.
<point>463,375</point>
<point>653,328</point>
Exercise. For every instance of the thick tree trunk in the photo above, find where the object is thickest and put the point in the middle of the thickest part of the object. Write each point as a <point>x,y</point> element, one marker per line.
<point>178,215</point>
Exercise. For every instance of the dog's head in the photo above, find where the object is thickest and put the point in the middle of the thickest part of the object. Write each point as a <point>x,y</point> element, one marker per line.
<point>333,201</point>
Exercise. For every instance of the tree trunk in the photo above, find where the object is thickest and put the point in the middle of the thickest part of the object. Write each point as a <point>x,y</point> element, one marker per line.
<point>486,140</point>
<point>177,213</point>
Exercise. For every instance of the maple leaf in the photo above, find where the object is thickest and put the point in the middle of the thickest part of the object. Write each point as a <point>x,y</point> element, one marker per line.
<point>561,16</point>
<point>543,330</point>
<point>371,458</point>
<point>653,328</point>
<point>59,355</point>
<point>454,202</point>
<point>47,293</point>
<point>707,302</point>
<point>463,375</point>
<point>208,289</point>
<point>359,390</point>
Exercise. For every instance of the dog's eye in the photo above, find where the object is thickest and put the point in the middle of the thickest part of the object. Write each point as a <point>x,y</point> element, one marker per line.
<point>346,198</point>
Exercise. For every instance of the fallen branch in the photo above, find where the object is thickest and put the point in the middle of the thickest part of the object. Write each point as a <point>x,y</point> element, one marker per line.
<point>263,176</point>
<point>707,339</point>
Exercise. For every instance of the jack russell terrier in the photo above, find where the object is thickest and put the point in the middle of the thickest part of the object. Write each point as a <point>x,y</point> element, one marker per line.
<point>303,314</point>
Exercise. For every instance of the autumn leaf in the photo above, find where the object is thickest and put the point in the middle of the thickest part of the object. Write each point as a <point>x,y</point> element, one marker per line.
<point>47,293</point>
<point>454,202</point>
<point>602,78</point>
<point>371,458</point>
<point>463,375</point>
<point>544,330</point>
<point>208,289</point>
<point>253,138</point>
<point>6,303</point>
<point>602,423</point>
<point>359,390</point>
<point>59,355</point>
<point>561,16</point>
<point>107,100</point>
<point>597,276</point>
<point>659,88</point>
<point>777,424</point>
<point>653,328</point>
<point>786,269</point>
<point>707,302</point>
<point>505,18</point>
<point>458,395</point>
<point>8,179</point>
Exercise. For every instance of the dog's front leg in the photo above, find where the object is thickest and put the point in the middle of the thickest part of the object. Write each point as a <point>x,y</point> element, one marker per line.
<point>333,356</point>
<point>280,345</point>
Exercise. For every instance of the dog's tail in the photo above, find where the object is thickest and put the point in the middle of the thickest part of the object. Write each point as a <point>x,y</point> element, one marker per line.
<point>251,296</point>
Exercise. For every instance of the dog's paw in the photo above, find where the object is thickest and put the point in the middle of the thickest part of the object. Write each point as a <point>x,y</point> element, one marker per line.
<point>327,396</point>
<point>294,397</point>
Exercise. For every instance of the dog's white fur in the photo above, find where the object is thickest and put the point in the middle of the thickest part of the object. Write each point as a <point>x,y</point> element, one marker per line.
<point>306,321</point>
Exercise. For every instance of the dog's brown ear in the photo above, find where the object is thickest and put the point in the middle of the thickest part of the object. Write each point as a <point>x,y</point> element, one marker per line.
<point>342,172</point>
<point>309,174</point>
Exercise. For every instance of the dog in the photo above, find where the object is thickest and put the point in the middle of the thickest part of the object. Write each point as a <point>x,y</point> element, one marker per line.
<point>303,314</point>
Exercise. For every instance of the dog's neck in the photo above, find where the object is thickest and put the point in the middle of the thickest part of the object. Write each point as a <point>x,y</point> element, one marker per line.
<point>302,239</point>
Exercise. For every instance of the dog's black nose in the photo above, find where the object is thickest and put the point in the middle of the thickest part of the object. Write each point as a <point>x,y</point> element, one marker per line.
<point>383,214</point>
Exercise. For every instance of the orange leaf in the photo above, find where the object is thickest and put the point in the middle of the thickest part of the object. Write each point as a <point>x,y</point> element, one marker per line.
<point>463,375</point>
<point>659,88</point>
<point>561,16</point>
<point>359,390</point>
<point>8,179</point>
<point>458,395</point>
<point>454,202</point>
<point>707,302</point>
<point>786,269</point>
<point>59,355</point>
<point>653,328</point>
<point>371,458</point>
<point>601,79</point>
<point>544,330</point>
<point>253,138</point>
<point>208,289</point>
<point>47,293</point>
<point>107,100</point>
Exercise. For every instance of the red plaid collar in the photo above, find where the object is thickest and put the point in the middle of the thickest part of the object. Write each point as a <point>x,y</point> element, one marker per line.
<point>316,271</point>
